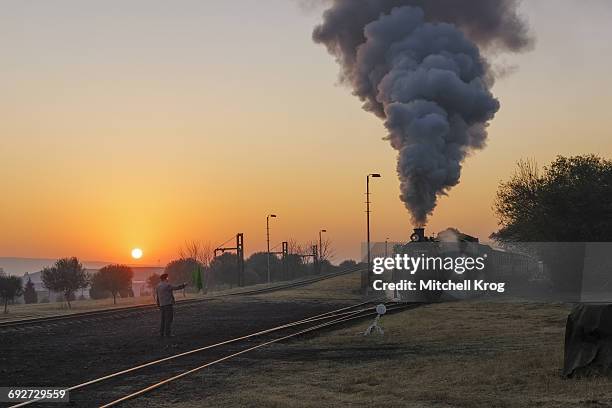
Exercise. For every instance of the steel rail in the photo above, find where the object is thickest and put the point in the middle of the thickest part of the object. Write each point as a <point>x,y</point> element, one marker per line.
<point>327,315</point>
<point>201,367</point>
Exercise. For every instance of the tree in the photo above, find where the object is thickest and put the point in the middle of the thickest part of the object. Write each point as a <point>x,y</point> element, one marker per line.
<point>96,292</point>
<point>182,270</point>
<point>347,264</point>
<point>295,266</point>
<point>560,209</point>
<point>326,267</point>
<point>153,280</point>
<point>203,253</point>
<point>29,293</point>
<point>565,205</point>
<point>67,275</point>
<point>569,202</point>
<point>326,252</point>
<point>10,288</point>
<point>200,251</point>
<point>223,269</point>
<point>300,260</point>
<point>296,248</point>
<point>257,264</point>
<point>115,279</point>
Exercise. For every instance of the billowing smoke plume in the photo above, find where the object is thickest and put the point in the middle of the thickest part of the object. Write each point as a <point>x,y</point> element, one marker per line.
<point>417,65</point>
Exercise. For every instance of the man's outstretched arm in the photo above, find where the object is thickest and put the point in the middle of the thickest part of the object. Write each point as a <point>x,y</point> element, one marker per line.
<point>179,287</point>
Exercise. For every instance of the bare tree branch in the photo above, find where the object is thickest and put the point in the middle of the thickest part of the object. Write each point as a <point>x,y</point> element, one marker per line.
<point>200,251</point>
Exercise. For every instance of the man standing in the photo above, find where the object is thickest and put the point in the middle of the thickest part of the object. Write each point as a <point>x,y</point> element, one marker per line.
<point>165,302</point>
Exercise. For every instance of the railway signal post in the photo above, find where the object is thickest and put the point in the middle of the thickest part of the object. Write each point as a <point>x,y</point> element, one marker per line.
<point>239,248</point>
<point>284,253</point>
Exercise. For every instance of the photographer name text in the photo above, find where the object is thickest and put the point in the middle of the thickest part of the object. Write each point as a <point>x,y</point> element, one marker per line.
<point>478,285</point>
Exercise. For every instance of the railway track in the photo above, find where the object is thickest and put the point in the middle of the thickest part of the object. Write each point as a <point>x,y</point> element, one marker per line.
<point>131,311</point>
<point>139,380</point>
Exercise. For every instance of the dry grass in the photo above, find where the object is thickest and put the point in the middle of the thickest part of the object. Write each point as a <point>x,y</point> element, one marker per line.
<point>344,288</point>
<point>23,311</point>
<point>467,354</point>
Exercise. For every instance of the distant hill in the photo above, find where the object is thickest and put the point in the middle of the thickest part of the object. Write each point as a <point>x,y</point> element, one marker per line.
<point>21,266</point>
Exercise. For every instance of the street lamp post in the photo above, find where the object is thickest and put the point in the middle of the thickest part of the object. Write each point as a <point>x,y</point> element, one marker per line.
<point>268,240</point>
<point>386,245</point>
<point>366,282</point>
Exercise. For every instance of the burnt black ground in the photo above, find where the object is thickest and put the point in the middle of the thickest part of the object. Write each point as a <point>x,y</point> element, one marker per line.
<point>71,353</point>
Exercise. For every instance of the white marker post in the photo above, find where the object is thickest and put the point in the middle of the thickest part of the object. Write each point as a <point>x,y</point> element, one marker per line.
<point>381,309</point>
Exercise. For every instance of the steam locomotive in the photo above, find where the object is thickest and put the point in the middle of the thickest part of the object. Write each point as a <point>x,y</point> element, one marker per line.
<point>453,256</point>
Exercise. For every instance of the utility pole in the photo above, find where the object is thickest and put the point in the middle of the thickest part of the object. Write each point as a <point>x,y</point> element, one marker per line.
<point>268,240</point>
<point>365,280</point>
<point>240,255</point>
<point>239,248</point>
<point>386,244</point>
<point>286,260</point>
<point>321,245</point>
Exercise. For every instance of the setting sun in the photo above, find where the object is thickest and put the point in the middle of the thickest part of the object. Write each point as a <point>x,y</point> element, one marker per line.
<point>136,253</point>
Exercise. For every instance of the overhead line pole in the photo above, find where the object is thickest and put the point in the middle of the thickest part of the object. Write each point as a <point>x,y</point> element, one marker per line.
<point>365,280</point>
<point>268,241</point>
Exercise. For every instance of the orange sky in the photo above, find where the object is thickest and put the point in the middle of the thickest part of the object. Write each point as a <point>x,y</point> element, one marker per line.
<point>154,123</point>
